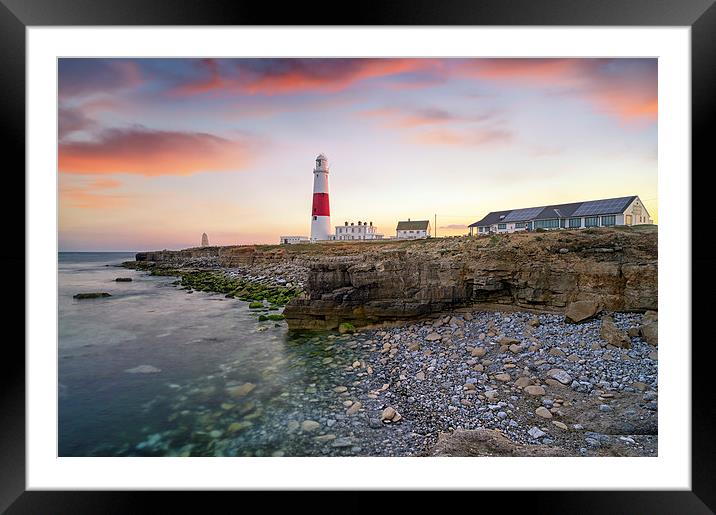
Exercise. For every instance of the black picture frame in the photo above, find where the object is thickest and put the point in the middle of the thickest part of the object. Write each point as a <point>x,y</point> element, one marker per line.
<point>700,15</point>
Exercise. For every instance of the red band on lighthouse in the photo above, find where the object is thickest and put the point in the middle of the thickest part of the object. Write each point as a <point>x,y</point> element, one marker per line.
<point>320,204</point>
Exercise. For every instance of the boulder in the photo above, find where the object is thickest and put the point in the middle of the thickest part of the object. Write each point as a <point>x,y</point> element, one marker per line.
<point>559,375</point>
<point>581,311</point>
<point>543,412</point>
<point>93,295</point>
<point>534,390</point>
<point>649,329</point>
<point>390,415</point>
<point>310,425</point>
<point>650,333</point>
<point>522,382</point>
<point>241,391</point>
<point>611,334</point>
<point>355,408</point>
<point>478,352</point>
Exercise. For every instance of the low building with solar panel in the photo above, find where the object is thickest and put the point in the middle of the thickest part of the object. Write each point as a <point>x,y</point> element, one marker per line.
<point>576,215</point>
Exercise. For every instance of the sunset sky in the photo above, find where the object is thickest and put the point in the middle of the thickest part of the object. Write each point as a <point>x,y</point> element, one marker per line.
<point>154,152</point>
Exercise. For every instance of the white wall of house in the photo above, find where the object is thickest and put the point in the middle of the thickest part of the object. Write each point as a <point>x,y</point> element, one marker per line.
<point>412,234</point>
<point>637,211</point>
<point>507,227</point>
<point>290,240</point>
<point>356,232</point>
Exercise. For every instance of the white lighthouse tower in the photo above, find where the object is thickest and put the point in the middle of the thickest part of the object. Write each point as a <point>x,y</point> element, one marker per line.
<point>321,212</point>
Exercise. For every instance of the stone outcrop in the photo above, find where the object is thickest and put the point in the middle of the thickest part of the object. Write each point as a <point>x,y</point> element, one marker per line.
<point>93,295</point>
<point>523,270</point>
<point>486,442</point>
<point>366,283</point>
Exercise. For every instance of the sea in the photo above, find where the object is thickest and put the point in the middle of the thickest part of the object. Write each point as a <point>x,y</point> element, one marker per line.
<point>154,370</point>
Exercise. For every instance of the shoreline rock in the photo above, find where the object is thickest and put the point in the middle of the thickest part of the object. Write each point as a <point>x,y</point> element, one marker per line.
<point>93,295</point>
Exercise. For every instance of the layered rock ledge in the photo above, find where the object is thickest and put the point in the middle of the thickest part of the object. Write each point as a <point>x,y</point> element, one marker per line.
<point>615,268</point>
<point>372,283</point>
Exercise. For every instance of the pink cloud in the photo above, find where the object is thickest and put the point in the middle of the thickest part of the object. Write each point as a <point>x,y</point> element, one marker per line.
<point>463,137</point>
<point>287,76</point>
<point>142,151</point>
<point>402,117</point>
<point>619,87</point>
<point>92,195</point>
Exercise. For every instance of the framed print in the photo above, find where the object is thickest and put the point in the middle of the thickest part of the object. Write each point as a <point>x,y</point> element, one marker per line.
<point>416,249</point>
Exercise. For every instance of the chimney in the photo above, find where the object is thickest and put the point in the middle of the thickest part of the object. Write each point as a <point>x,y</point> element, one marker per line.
<point>408,219</point>
<point>371,224</point>
<point>346,224</point>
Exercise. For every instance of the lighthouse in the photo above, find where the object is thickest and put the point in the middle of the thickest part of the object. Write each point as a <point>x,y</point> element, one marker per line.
<point>321,213</point>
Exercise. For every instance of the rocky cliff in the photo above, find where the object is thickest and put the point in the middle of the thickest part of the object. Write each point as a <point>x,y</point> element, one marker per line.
<point>366,283</point>
<point>245,255</point>
<point>616,268</point>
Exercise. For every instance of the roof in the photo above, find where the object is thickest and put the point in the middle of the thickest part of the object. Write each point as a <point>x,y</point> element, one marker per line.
<point>491,218</point>
<point>586,208</point>
<point>558,211</point>
<point>414,225</point>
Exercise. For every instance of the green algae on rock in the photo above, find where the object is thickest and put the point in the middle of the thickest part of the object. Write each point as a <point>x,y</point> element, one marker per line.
<point>220,282</point>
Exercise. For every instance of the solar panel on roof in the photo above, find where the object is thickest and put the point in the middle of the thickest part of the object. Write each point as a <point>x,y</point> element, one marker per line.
<point>519,215</point>
<point>599,207</point>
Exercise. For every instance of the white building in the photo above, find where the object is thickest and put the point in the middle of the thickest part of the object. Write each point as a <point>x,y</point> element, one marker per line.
<point>577,215</point>
<point>362,231</point>
<point>321,212</point>
<point>290,240</point>
<point>413,229</point>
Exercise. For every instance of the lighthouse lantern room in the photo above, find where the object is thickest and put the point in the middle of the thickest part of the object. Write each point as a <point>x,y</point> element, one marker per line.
<point>321,213</point>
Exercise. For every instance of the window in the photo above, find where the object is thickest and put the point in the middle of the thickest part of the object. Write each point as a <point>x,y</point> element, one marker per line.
<point>575,223</point>
<point>546,224</point>
<point>591,221</point>
<point>315,218</point>
<point>520,225</point>
<point>501,227</point>
<point>609,220</point>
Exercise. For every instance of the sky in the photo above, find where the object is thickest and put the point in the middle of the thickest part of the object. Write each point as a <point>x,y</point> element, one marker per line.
<point>154,152</point>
